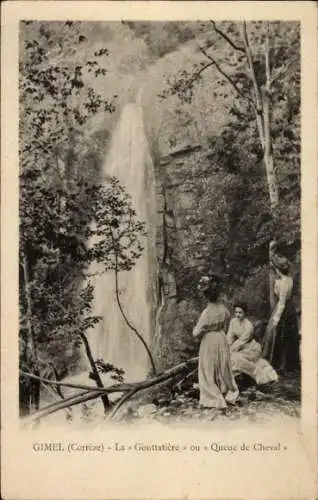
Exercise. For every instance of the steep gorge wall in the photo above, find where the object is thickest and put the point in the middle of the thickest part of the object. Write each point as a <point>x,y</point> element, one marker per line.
<point>193,229</point>
<point>183,176</point>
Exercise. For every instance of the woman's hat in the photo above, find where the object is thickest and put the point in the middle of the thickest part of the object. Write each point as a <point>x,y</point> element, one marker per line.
<point>207,280</point>
<point>204,283</point>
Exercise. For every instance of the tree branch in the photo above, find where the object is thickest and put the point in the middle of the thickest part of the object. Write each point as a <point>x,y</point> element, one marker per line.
<point>133,392</point>
<point>96,375</point>
<point>61,405</point>
<point>227,38</point>
<point>187,377</point>
<point>198,73</point>
<point>120,403</point>
<point>94,393</point>
<point>223,73</point>
<point>60,384</point>
<point>154,370</point>
<point>53,393</point>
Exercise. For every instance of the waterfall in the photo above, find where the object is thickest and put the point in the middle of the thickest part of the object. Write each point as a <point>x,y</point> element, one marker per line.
<point>129,160</point>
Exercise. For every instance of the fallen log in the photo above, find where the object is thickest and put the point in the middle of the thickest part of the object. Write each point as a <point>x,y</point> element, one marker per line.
<point>53,393</point>
<point>179,384</point>
<point>82,397</point>
<point>66,384</point>
<point>120,403</point>
<point>92,393</point>
<point>128,396</point>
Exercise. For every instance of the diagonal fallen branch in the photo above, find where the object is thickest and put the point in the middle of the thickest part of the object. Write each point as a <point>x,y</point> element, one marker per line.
<point>64,384</point>
<point>121,402</point>
<point>93,393</point>
<point>178,384</point>
<point>128,396</point>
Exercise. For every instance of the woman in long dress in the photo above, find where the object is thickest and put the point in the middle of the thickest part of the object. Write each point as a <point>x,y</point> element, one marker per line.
<point>246,353</point>
<point>281,341</point>
<point>216,381</point>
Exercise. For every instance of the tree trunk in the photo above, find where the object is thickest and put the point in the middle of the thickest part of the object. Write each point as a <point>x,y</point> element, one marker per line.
<point>268,151</point>
<point>260,102</point>
<point>269,162</point>
<point>96,375</point>
<point>271,180</point>
<point>63,184</point>
<point>29,392</point>
<point>271,281</point>
<point>258,109</point>
<point>27,291</point>
<point>262,115</point>
<point>24,396</point>
<point>170,375</point>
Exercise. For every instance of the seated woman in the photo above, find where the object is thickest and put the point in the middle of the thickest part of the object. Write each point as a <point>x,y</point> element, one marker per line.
<point>246,353</point>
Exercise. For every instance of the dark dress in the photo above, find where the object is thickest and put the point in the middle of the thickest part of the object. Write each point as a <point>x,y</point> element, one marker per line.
<point>281,343</point>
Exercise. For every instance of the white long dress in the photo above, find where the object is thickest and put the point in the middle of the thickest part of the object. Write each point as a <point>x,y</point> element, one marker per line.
<point>216,380</point>
<point>246,353</point>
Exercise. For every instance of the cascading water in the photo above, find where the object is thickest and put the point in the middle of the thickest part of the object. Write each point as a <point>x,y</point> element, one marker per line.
<point>112,339</point>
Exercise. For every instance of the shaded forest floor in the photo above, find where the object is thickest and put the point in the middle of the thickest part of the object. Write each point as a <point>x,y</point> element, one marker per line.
<point>255,404</point>
<point>274,403</point>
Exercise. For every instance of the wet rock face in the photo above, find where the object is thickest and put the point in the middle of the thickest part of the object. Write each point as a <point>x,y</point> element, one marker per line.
<point>184,217</point>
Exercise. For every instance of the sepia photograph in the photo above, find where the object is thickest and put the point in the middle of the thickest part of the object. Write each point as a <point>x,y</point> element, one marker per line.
<point>160,242</point>
<point>159,256</point>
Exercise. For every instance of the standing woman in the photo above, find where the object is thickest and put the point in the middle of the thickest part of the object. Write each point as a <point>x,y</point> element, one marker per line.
<point>216,381</point>
<point>281,341</point>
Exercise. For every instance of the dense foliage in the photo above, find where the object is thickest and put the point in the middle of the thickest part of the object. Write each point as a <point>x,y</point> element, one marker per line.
<point>63,203</point>
<point>241,218</point>
<point>200,73</point>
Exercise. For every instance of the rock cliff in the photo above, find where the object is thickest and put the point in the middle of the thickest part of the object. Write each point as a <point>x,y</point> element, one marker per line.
<point>183,177</point>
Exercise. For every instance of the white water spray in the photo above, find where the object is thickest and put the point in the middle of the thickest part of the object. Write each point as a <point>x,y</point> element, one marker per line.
<point>112,339</point>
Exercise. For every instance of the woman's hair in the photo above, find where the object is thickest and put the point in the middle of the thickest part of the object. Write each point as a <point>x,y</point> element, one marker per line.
<point>281,263</point>
<point>242,305</point>
<point>284,268</point>
<point>212,292</point>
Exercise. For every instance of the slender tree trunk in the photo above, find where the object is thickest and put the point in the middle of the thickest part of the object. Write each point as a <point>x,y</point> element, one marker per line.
<point>260,102</point>
<point>271,277</point>
<point>262,115</point>
<point>269,161</point>
<point>258,110</point>
<point>96,375</point>
<point>268,150</point>
<point>61,173</point>
<point>29,392</point>
<point>27,292</point>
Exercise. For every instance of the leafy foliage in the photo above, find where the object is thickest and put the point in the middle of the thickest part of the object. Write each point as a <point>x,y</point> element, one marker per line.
<point>69,218</point>
<point>117,373</point>
<point>236,220</point>
<point>236,154</point>
<point>63,203</point>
